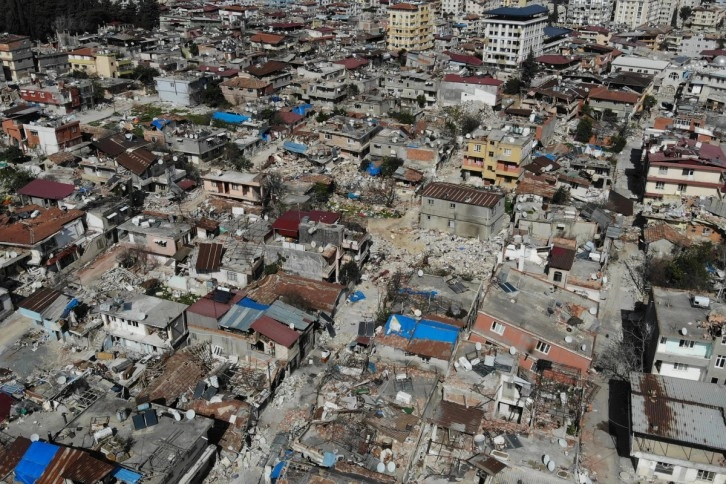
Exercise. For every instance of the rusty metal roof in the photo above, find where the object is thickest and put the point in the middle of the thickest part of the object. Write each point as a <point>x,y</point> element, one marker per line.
<point>137,161</point>
<point>679,410</point>
<point>74,465</point>
<point>461,194</point>
<point>277,332</point>
<point>209,258</point>
<point>39,300</point>
<point>12,454</point>
<point>458,417</point>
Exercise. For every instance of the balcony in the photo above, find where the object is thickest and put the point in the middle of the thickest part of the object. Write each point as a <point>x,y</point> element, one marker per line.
<point>508,170</point>
<point>472,164</point>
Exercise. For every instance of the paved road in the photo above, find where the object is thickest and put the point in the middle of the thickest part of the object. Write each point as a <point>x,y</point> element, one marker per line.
<point>628,168</point>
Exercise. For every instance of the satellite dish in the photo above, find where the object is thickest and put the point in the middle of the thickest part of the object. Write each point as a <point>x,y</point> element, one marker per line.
<point>292,326</point>
<point>175,158</point>
<point>417,313</point>
<point>381,467</point>
<point>176,415</point>
<point>190,414</point>
<point>34,438</point>
<point>684,331</point>
<point>420,273</point>
<point>61,380</point>
<point>593,311</point>
<point>551,466</point>
<point>313,244</point>
<point>583,347</point>
<point>562,442</point>
<point>478,346</point>
<point>568,339</point>
<point>161,162</point>
<point>391,467</point>
<point>545,459</point>
<point>512,350</point>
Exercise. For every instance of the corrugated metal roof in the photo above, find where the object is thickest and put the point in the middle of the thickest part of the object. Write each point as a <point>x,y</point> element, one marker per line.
<point>458,417</point>
<point>676,409</point>
<point>562,258</point>
<point>240,317</point>
<point>47,189</point>
<point>287,224</point>
<point>75,465</point>
<point>287,315</point>
<point>137,161</point>
<point>461,194</point>
<point>39,300</point>
<point>209,258</point>
<point>279,333</point>
<point>11,455</point>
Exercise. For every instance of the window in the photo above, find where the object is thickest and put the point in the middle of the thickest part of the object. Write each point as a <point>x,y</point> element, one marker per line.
<point>507,152</point>
<point>687,172</point>
<point>723,339</point>
<point>542,347</point>
<point>491,154</point>
<point>135,324</point>
<point>663,340</point>
<point>680,366</point>
<point>714,381</point>
<point>720,361</point>
<point>231,276</point>
<point>431,201</point>
<point>235,186</point>
<point>452,205</point>
<point>664,468</point>
<point>498,328</point>
<point>451,224</point>
<point>659,185</point>
<point>705,475</point>
<point>477,148</point>
<point>681,187</point>
<point>328,136</point>
<point>557,276</point>
<point>684,343</point>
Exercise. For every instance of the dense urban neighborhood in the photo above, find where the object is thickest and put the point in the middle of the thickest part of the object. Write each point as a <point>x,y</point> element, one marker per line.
<point>362,241</point>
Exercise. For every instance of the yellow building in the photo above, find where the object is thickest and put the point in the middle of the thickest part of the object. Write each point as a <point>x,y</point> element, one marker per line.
<point>498,157</point>
<point>102,64</point>
<point>410,27</point>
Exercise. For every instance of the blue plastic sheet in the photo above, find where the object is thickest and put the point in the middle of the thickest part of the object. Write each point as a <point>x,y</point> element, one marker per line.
<point>34,462</point>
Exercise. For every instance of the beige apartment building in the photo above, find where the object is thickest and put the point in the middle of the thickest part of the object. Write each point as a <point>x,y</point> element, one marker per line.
<point>16,58</point>
<point>498,157</point>
<point>410,27</point>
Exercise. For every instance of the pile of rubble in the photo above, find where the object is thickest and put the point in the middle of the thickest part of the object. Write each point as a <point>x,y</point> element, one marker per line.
<point>119,279</point>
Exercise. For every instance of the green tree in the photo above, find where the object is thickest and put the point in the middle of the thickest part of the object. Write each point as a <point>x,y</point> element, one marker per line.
<point>390,165</point>
<point>617,143</point>
<point>421,100</point>
<point>561,196</point>
<point>234,157</point>
<point>349,273</point>
<point>194,49</point>
<point>674,19</point>
<point>321,192</point>
<point>76,74</point>
<point>649,102</point>
<point>144,74</point>
<point>276,189</point>
<point>529,69</point>
<point>685,13</point>
<point>13,179</point>
<point>720,43</point>
<point>212,96</point>
<point>583,133</point>
<point>353,89</point>
<point>554,14</point>
<point>512,86</point>
<point>14,155</point>
<point>403,117</point>
<point>148,13</point>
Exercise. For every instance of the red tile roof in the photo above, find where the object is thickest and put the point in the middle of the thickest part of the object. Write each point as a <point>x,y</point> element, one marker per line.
<point>604,94</point>
<point>352,63</point>
<point>207,306</point>
<point>86,52</point>
<point>267,68</point>
<point>271,39</point>
<point>461,194</point>
<point>320,295</point>
<point>464,59</point>
<point>557,60</point>
<point>287,224</point>
<point>288,117</point>
<point>562,258</point>
<point>403,6</point>
<point>479,80</point>
<point>31,231</point>
<point>6,403</point>
<point>47,189</point>
<point>277,332</point>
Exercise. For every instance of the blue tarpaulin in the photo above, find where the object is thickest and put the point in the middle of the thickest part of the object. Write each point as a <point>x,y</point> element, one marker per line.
<point>277,470</point>
<point>329,459</point>
<point>71,305</point>
<point>302,109</point>
<point>400,325</point>
<point>357,296</point>
<point>232,118</point>
<point>295,147</point>
<point>275,99</point>
<point>127,476</point>
<point>407,290</point>
<point>34,462</point>
<point>249,303</point>
<point>353,196</point>
<point>407,327</point>
<point>373,170</point>
<point>159,123</point>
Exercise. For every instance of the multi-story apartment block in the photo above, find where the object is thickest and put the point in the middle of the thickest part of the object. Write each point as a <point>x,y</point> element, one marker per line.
<point>453,7</point>
<point>102,63</point>
<point>180,90</point>
<point>245,187</point>
<point>589,12</point>
<point>709,84</point>
<point>51,136</point>
<point>512,34</point>
<point>410,27</point>
<point>634,13</point>
<point>498,156</point>
<point>688,341</point>
<point>461,210</point>
<point>408,86</point>
<point>706,18</point>
<point>16,57</point>
<point>352,137</point>
<point>685,169</point>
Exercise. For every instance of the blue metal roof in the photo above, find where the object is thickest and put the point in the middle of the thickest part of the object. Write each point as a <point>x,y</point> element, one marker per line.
<point>550,31</point>
<point>249,303</point>
<point>34,462</point>
<point>127,476</point>
<point>406,325</point>
<point>286,314</point>
<point>233,118</point>
<point>295,147</point>
<point>528,11</point>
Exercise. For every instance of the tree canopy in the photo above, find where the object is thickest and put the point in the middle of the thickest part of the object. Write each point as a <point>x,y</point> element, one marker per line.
<point>583,133</point>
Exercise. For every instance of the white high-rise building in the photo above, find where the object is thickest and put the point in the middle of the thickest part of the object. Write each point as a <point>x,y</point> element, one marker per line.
<point>513,33</point>
<point>589,12</point>
<point>634,13</point>
<point>453,7</point>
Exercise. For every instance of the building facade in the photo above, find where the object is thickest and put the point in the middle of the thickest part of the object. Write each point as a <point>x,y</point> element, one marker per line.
<point>499,157</point>
<point>16,57</point>
<point>634,13</point>
<point>410,27</point>
<point>513,33</point>
<point>589,12</point>
<point>461,210</point>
